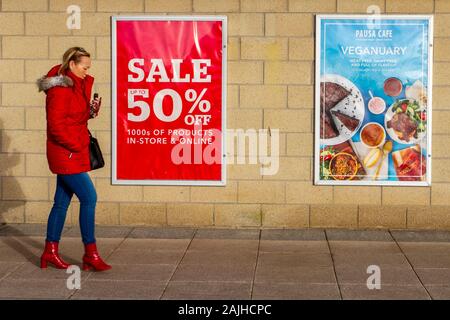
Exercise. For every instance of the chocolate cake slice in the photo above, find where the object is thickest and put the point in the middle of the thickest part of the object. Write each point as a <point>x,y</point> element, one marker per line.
<point>327,127</point>
<point>350,122</point>
<point>331,94</point>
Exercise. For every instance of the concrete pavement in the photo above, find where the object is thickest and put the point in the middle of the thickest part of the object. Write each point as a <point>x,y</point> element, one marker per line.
<point>229,264</point>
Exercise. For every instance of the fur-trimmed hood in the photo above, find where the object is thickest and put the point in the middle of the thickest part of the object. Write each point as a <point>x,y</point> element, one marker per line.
<point>46,82</point>
<point>68,79</point>
<point>53,79</point>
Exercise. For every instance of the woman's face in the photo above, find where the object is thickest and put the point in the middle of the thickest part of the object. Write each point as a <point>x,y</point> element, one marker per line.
<point>80,69</point>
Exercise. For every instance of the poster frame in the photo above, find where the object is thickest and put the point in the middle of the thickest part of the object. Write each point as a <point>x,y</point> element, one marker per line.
<point>114,179</point>
<point>317,181</point>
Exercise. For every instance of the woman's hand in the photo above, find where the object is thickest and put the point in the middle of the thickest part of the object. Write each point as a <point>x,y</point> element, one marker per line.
<point>95,107</point>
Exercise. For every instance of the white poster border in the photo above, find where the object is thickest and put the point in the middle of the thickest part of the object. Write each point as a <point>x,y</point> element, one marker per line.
<point>114,179</point>
<point>317,180</point>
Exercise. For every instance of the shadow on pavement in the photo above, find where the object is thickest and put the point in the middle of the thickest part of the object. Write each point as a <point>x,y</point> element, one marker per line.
<point>12,205</point>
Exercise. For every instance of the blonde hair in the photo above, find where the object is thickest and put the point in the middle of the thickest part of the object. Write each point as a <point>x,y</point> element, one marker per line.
<point>72,54</point>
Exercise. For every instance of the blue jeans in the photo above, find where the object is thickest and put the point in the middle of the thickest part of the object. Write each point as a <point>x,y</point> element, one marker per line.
<point>81,185</point>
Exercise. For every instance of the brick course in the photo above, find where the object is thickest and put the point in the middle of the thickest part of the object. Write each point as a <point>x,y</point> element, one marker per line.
<point>270,85</point>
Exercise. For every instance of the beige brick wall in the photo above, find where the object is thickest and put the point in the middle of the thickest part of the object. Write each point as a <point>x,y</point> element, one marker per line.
<point>264,6</point>
<point>270,84</point>
<point>237,215</point>
<point>168,6</point>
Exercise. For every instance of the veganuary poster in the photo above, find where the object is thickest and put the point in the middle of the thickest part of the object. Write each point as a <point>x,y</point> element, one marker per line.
<point>373,100</point>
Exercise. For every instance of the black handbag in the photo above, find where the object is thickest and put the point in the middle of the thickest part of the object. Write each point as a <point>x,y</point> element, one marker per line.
<point>95,153</point>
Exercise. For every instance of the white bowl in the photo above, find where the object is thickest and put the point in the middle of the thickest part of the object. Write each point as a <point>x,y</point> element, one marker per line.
<point>382,140</point>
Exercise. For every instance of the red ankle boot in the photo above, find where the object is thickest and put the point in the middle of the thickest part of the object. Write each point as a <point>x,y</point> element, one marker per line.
<point>51,255</point>
<point>92,260</point>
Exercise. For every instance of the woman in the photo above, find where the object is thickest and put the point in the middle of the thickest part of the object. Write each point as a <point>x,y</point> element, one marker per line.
<point>68,87</point>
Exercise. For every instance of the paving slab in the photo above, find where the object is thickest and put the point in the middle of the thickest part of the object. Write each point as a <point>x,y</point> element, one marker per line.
<point>228,264</point>
<point>101,232</point>
<point>214,272</point>
<point>365,247</point>
<point>252,234</point>
<point>6,268</point>
<point>26,229</point>
<point>155,244</point>
<point>294,259</point>
<point>116,289</point>
<point>29,271</point>
<point>148,272</point>
<point>162,233</point>
<point>26,245</point>
<point>358,235</point>
<point>387,292</point>
<point>426,260</point>
<point>18,252</point>
<point>421,236</point>
<point>34,288</point>
<point>212,245</point>
<point>289,274</point>
<point>388,275</point>
<point>438,248</point>
<point>207,290</point>
<point>30,248</point>
<point>219,257</point>
<point>367,259</point>
<point>439,292</point>
<point>288,291</point>
<point>434,276</point>
<point>32,243</point>
<point>293,234</point>
<point>294,246</point>
<point>145,257</point>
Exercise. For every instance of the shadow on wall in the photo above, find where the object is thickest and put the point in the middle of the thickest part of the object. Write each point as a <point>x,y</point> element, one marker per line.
<point>12,209</point>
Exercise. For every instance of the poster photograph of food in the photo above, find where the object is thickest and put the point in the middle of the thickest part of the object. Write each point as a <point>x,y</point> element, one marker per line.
<point>373,100</point>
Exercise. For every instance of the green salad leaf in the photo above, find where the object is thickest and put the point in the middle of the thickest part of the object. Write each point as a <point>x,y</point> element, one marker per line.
<point>414,112</point>
<point>325,157</point>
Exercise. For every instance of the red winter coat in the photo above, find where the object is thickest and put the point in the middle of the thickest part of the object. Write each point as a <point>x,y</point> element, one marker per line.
<point>67,106</point>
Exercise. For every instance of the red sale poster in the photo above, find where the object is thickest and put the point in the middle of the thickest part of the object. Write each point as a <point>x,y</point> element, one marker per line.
<point>168,100</point>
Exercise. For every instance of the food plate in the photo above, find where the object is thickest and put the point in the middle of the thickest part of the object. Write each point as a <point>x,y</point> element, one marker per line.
<point>352,105</point>
<point>362,152</point>
<point>390,114</point>
<point>328,152</point>
<point>343,166</point>
<point>410,164</point>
